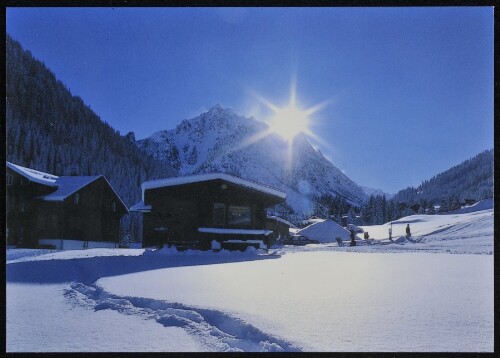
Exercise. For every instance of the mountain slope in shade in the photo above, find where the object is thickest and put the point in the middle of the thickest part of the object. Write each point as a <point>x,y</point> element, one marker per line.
<point>471,179</point>
<point>220,141</point>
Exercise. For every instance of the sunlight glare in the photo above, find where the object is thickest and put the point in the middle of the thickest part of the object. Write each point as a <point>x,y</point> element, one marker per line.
<point>289,121</point>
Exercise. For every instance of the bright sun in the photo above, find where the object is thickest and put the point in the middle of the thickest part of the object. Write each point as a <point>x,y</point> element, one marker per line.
<point>289,121</point>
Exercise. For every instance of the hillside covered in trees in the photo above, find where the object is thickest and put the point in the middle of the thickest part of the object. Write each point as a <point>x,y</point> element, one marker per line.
<point>51,130</point>
<point>471,180</point>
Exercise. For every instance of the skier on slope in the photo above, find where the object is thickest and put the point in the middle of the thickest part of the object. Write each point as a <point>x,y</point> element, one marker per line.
<point>408,232</point>
<point>353,243</point>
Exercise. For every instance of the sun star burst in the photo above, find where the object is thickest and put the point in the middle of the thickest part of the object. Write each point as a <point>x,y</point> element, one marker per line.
<point>291,120</point>
<point>287,122</point>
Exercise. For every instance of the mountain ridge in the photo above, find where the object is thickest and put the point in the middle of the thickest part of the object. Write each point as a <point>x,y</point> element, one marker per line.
<point>470,179</point>
<point>221,140</point>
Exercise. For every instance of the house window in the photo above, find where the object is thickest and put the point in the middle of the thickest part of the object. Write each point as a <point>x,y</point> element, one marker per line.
<point>113,207</point>
<point>239,215</point>
<point>9,179</point>
<point>219,213</point>
<point>76,199</point>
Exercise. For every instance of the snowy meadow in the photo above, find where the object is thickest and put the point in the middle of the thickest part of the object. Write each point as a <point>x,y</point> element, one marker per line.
<point>431,294</point>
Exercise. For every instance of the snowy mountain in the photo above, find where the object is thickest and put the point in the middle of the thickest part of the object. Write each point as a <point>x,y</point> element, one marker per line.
<point>371,191</point>
<point>221,141</point>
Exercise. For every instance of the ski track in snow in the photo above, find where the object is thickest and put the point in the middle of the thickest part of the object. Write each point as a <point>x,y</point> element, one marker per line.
<point>217,330</point>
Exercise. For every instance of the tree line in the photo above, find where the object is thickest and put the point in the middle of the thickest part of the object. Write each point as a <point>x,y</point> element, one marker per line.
<point>469,181</point>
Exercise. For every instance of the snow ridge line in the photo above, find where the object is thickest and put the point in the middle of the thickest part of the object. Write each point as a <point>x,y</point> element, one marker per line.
<point>217,330</point>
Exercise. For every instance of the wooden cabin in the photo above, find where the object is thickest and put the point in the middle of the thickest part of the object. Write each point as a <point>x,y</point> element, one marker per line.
<point>66,212</point>
<point>206,211</point>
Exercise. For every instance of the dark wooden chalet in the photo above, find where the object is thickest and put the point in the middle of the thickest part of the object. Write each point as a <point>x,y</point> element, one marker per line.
<point>44,210</point>
<point>206,211</point>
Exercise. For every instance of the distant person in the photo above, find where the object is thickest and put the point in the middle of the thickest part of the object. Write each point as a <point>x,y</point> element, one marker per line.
<point>366,235</point>
<point>353,243</point>
<point>408,232</point>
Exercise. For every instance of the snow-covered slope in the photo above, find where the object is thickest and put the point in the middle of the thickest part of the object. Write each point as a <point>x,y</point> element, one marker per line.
<point>221,141</point>
<point>469,232</point>
<point>480,205</point>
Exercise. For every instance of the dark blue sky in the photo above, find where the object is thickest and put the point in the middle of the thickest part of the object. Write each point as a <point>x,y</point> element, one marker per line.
<point>411,89</point>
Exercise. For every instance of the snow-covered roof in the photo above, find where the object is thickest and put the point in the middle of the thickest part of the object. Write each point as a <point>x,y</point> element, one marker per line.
<point>160,183</point>
<point>281,220</point>
<point>141,207</point>
<point>66,185</point>
<point>34,175</point>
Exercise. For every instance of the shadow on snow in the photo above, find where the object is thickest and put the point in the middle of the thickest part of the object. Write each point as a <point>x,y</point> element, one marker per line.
<point>89,270</point>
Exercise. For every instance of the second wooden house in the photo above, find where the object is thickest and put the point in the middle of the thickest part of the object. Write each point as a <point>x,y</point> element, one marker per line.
<point>206,211</point>
<point>61,212</point>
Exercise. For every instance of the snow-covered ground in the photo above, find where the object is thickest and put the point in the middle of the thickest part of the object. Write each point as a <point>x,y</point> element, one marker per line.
<point>433,294</point>
<point>470,232</point>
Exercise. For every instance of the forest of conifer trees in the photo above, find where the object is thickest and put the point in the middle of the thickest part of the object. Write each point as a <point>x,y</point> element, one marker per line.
<point>51,130</point>
<point>470,180</point>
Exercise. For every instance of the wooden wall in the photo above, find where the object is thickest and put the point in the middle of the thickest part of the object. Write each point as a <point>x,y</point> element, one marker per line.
<point>183,209</point>
<point>92,219</point>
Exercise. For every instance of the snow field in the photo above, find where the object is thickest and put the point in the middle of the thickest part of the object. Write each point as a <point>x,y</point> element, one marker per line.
<point>45,318</point>
<point>429,226</point>
<point>455,233</point>
<point>333,301</point>
<point>313,298</point>
<point>214,329</point>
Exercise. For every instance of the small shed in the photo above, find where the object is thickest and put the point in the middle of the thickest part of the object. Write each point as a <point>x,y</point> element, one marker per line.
<point>325,231</point>
<point>63,212</point>
<point>197,210</point>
